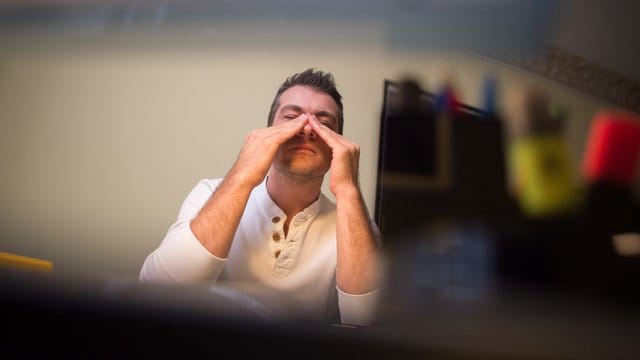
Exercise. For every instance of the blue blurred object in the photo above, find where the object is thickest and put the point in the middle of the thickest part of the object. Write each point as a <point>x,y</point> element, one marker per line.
<point>446,100</point>
<point>489,93</point>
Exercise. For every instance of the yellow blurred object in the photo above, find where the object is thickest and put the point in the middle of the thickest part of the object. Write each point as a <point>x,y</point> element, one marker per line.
<point>24,262</point>
<point>544,180</point>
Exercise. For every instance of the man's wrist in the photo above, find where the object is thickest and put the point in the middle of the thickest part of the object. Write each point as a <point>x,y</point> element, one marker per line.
<point>348,192</point>
<point>240,178</point>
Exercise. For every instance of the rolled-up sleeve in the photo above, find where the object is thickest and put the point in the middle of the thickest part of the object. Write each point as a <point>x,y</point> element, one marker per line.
<point>181,257</point>
<point>358,309</point>
<point>362,309</point>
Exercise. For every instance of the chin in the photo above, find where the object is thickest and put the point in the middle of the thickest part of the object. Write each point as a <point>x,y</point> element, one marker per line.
<point>305,172</point>
<point>299,171</point>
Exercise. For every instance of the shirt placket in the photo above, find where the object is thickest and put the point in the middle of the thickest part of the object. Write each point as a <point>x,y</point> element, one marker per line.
<point>285,250</point>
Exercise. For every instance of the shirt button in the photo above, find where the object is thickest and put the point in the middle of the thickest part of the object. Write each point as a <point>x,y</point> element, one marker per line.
<point>276,236</point>
<point>277,253</point>
<point>275,219</point>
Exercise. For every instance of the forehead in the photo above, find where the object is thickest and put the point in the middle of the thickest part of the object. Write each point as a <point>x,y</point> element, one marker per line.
<point>309,99</point>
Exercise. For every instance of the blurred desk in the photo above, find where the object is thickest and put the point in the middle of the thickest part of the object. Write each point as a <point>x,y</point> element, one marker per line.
<point>113,318</point>
<point>525,323</point>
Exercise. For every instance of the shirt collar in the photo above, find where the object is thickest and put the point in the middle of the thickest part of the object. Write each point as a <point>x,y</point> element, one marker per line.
<point>267,203</point>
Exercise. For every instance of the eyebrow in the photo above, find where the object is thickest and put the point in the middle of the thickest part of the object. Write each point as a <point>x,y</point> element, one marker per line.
<point>296,108</point>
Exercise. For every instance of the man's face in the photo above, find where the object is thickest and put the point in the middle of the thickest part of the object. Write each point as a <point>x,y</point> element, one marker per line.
<point>305,156</point>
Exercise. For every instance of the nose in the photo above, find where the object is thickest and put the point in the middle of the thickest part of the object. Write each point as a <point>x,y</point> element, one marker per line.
<point>307,131</point>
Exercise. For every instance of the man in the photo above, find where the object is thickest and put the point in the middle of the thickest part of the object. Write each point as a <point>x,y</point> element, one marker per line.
<point>267,222</point>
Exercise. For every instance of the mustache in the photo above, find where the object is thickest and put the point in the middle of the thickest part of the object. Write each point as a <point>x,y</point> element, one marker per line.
<point>316,145</point>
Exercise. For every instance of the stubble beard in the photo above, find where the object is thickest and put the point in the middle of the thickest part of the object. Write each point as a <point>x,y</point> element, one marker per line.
<point>300,174</point>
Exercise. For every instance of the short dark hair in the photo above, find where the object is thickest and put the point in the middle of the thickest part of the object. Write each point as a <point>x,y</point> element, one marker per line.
<point>319,80</point>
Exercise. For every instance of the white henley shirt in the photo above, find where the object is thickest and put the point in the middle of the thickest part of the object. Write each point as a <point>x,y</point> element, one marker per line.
<point>301,267</point>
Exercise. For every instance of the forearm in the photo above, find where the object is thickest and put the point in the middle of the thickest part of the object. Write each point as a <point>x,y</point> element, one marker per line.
<point>216,223</point>
<point>358,259</point>
<point>182,259</point>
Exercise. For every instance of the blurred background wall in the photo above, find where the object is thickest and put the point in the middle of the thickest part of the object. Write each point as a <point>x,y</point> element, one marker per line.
<point>107,125</point>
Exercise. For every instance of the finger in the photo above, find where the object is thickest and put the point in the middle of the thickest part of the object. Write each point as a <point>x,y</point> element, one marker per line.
<point>329,136</point>
<point>334,140</point>
<point>288,129</point>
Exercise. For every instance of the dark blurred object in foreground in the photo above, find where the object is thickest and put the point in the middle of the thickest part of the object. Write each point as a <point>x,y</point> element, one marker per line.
<point>81,317</point>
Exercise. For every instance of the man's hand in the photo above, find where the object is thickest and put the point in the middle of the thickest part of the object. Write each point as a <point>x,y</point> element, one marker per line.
<point>357,267</point>
<point>260,148</point>
<point>344,161</point>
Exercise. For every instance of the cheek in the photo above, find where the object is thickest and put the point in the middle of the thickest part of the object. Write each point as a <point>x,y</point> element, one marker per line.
<point>326,151</point>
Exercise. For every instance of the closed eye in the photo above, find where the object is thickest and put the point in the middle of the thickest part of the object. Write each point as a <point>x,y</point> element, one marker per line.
<point>327,121</point>
<point>290,112</point>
